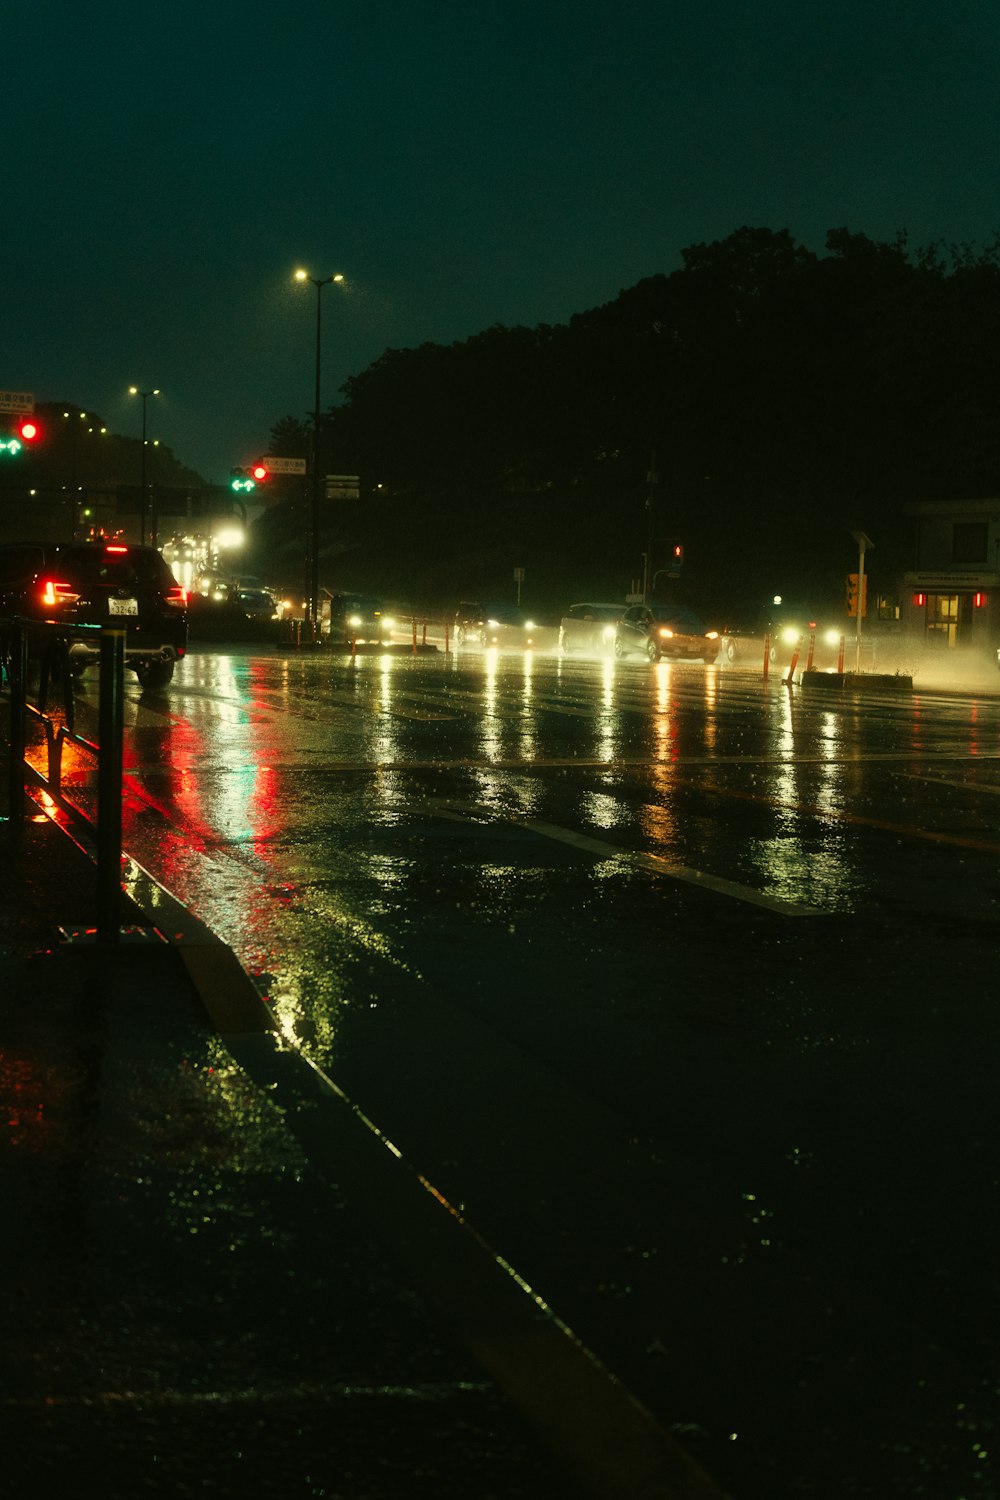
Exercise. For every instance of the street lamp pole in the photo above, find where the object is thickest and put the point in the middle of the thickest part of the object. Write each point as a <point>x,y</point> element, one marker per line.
<point>312,546</point>
<point>143,497</point>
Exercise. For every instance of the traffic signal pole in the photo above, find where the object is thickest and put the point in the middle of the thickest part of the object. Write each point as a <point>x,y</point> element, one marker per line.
<point>863,541</point>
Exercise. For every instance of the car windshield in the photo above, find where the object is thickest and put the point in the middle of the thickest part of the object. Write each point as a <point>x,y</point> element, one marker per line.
<point>504,614</point>
<point>98,567</point>
<point>679,619</point>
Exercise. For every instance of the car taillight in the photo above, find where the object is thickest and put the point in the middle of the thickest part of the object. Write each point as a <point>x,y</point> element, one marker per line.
<point>177,596</point>
<point>116,549</point>
<point>55,594</point>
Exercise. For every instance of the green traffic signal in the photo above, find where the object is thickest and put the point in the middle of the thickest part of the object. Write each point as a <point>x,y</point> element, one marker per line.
<point>241,480</point>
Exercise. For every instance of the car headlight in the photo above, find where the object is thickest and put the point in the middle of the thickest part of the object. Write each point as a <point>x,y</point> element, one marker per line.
<point>388,624</point>
<point>529,624</point>
<point>790,635</point>
<point>493,624</point>
<point>831,637</point>
<point>665,632</point>
<point>712,635</point>
<point>354,620</point>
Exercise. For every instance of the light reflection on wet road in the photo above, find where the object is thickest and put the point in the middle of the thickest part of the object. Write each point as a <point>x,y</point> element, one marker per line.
<point>678,981</point>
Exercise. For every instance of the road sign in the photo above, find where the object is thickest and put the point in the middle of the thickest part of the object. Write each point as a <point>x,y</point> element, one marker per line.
<point>19,401</point>
<point>275,465</point>
<point>343,486</point>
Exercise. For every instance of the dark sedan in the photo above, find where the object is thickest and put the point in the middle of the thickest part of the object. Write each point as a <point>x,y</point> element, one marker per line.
<point>665,630</point>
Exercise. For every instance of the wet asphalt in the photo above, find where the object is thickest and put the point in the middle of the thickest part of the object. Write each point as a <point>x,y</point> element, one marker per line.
<point>677,985</point>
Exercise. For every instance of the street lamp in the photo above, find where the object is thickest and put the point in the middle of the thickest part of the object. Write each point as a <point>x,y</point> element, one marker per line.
<point>134,390</point>
<point>312,547</point>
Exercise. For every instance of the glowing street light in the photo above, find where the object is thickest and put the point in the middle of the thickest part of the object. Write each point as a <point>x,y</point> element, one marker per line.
<point>313,540</point>
<point>134,390</point>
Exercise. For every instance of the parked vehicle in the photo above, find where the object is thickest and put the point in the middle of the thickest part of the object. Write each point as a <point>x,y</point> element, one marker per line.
<point>502,625</point>
<point>665,630</point>
<point>589,627</point>
<point>94,583</point>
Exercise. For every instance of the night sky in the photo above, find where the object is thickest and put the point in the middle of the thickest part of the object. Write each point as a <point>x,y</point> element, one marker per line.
<point>167,168</point>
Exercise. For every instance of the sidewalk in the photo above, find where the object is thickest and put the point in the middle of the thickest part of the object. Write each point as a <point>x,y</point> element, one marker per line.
<point>188,1309</point>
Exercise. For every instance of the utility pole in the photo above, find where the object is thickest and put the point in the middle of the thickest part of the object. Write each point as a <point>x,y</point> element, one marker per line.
<point>648,575</point>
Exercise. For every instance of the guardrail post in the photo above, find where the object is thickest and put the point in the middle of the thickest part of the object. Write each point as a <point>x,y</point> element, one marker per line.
<point>767,653</point>
<point>446,646</point>
<point>111,723</point>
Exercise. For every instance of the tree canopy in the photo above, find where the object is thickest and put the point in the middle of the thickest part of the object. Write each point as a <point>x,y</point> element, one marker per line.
<point>779,395</point>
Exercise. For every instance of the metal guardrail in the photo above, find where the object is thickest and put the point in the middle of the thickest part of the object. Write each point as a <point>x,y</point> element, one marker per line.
<point>104,831</point>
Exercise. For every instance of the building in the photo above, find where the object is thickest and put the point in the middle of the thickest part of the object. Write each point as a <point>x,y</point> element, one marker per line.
<point>951,594</point>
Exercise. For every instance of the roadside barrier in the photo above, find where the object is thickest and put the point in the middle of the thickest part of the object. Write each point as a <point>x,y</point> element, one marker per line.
<point>794,662</point>
<point>104,831</point>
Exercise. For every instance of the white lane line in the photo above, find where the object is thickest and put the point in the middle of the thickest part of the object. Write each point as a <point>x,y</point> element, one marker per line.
<point>962,786</point>
<point>660,866</point>
<point>465,812</point>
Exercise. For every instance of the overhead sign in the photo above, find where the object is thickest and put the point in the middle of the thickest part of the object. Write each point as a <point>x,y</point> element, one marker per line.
<point>19,401</point>
<point>284,465</point>
<point>343,486</point>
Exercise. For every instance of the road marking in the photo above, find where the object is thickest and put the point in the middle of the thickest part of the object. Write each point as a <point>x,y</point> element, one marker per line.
<point>962,786</point>
<point>902,830</point>
<point>469,812</point>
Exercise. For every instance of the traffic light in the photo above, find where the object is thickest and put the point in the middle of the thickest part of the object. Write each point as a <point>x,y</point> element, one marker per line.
<point>241,480</point>
<point>20,434</point>
<point>851,597</point>
<point>677,554</point>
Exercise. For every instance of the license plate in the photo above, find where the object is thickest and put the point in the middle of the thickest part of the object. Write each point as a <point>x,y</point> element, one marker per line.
<point>123,606</point>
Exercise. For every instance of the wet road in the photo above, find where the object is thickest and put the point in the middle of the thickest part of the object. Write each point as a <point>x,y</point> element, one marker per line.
<point>680,983</point>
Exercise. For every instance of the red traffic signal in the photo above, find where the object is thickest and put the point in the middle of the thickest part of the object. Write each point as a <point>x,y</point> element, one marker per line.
<point>28,430</point>
<point>258,472</point>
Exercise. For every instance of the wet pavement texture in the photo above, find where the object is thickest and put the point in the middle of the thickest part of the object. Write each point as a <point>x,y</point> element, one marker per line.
<point>676,982</point>
<point>188,1308</point>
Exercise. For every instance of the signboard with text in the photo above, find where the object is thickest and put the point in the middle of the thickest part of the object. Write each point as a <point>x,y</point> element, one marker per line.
<point>17,401</point>
<point>275,465</point>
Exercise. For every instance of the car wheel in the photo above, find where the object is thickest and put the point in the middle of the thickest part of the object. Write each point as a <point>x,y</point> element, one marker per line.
<point>730,651</point>
<point>652,651</point>
<point>619,646</point>
<point>154,674</point>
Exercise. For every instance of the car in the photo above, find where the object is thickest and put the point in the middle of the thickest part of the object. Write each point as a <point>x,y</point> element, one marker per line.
<point>589,627</point>
<point>97,583</point>
<point>360,618</point>
<point>502,625</point>
<point>665,630</point>
<point>255,601</point>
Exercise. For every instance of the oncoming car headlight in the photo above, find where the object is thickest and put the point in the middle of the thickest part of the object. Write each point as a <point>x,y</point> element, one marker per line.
<point>665,632</point>
<point>790,635</point>
<point>529,624</point>
<point>388,624</point>
<point>354,620</point>
<point>831,637</point>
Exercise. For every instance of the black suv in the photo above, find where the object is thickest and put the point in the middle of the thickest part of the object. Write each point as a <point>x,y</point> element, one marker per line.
<point>94,583</point>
